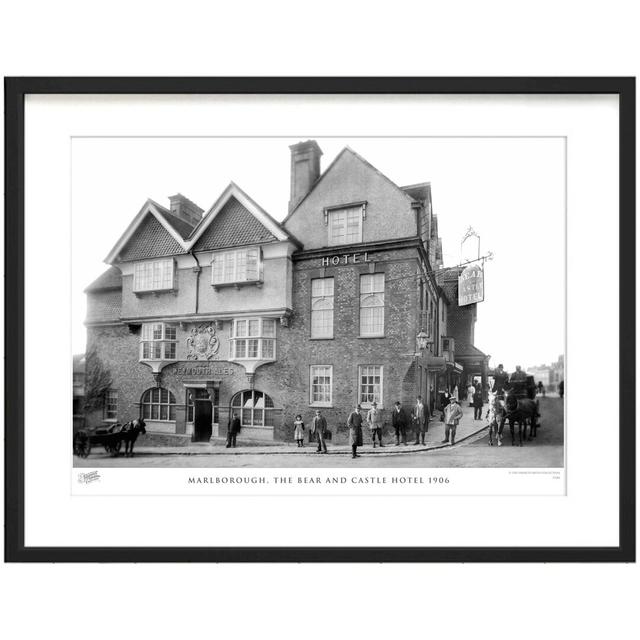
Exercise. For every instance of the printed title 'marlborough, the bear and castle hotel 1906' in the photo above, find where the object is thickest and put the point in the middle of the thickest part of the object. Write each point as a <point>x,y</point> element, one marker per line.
<point>343,303</point>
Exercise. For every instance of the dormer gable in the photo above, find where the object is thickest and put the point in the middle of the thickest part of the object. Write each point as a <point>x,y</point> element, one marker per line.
<point>235,219</point>
<point>154,232</point>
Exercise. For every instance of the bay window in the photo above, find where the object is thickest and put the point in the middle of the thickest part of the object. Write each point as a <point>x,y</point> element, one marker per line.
<point>253,339</point>
<point>158,341</point>
<point>236,266</point>
<point>153,275</point>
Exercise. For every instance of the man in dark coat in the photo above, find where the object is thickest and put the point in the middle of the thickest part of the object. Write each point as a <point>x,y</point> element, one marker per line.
<point>420,420</point>
<point>234,429</point>
<point>500,379</point>
<point>399,422</point>
<point>319,428</point>
<point>354,422</point>
<point>477,404</point>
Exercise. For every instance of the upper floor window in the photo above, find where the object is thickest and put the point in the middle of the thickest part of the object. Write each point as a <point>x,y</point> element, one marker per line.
<point>234,267</point>
<point>322,308</point>
<point>345,225</point>
<point>253,339</point>
<point>153,275</point>
<point>372,304</point>
<point>158,341</point>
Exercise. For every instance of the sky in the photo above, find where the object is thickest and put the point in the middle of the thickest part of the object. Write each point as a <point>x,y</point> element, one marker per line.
<point>510,190</point>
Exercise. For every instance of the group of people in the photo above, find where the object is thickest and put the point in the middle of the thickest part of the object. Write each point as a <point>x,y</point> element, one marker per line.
<point>400,420</point>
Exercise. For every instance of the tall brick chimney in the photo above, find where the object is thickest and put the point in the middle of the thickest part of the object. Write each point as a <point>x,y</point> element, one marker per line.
<point>183,208</point>
<point>305,170</point>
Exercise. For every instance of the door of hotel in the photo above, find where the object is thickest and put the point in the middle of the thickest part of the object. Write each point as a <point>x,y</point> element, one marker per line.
<point>202,415</point>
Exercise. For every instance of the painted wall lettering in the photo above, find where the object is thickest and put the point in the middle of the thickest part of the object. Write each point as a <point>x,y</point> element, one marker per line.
<point>347,258</point>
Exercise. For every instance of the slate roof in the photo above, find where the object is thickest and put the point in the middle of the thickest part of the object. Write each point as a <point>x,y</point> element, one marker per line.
<point>151,240</point>
<point>104,306</point>
<point>233,226</point>
<point>466,350</point>
<point>110,279</point>
<point>182,227</point>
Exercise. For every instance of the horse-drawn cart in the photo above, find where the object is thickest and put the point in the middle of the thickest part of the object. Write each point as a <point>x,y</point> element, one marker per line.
<point>109,436</point>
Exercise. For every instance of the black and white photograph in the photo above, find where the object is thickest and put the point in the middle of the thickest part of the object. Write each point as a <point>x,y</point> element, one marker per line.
<point>318,301</point>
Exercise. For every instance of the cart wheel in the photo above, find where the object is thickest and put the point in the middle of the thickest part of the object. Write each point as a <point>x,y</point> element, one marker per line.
<point>81,444</point>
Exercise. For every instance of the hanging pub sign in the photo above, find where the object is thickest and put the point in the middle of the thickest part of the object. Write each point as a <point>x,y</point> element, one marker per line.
<point>471,285</point>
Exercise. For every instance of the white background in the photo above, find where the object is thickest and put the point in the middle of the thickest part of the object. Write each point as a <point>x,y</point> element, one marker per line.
<point>490,38</point>
<point>53,517</point>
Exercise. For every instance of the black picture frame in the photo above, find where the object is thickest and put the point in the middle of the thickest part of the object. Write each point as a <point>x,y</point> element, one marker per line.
<point>15,91</point>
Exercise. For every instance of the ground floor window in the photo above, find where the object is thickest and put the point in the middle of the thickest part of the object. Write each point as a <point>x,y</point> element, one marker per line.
<point>158,404</point>
<point>320,385</point>
<point>111,405</point>
<point>254,408</point>
<point>370,384</point>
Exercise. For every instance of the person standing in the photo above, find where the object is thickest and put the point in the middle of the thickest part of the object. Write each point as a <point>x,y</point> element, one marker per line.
<point>399,422</point>
<point>234,429</point>
<point>420,420</point>
<point>298,434</point>
<point>452,415</point>
<point>561,388</point>
<point>455,393</point>
<point>354,422</point>
<point>319,428</point>
<point>477,405</point>
<point>432,402</point>
<point>471,391</point>
<point>374,419</point>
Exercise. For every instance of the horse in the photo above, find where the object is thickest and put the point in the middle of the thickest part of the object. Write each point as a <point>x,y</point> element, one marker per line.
<point>495,414</point>
<point>129,434</point>
<point>519,410</point>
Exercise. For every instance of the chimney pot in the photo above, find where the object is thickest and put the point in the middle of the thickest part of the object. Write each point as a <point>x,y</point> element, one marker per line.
<point>305,170</point>
<point>181,207</point>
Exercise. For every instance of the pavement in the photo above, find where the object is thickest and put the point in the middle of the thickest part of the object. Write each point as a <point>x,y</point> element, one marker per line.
<point>467,428</point>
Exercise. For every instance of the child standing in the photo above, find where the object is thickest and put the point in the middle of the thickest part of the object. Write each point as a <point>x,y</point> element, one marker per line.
<point>298,434</point>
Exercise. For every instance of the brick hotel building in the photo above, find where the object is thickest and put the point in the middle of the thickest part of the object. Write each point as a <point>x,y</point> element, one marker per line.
<point>343,302</point>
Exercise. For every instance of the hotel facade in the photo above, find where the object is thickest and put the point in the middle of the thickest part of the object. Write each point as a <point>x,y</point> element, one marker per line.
<point>202,314</point>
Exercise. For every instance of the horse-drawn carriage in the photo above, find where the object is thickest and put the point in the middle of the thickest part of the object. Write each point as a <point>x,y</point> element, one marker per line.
<point>515,402</point>
<point>109,436</point>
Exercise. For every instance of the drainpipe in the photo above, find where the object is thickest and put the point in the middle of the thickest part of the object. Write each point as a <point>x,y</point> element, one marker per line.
<point>197,269</point>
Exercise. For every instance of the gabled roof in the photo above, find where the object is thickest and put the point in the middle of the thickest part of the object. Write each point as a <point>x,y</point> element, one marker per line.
<point>256,226</point>
<point>273,229</point>
<point>355,154</point>
<point>172,225</point>
<point>234,226</point>
<point>110,279</point>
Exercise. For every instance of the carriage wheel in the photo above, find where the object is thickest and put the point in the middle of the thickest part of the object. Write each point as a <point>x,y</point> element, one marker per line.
<point>81,444</point>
